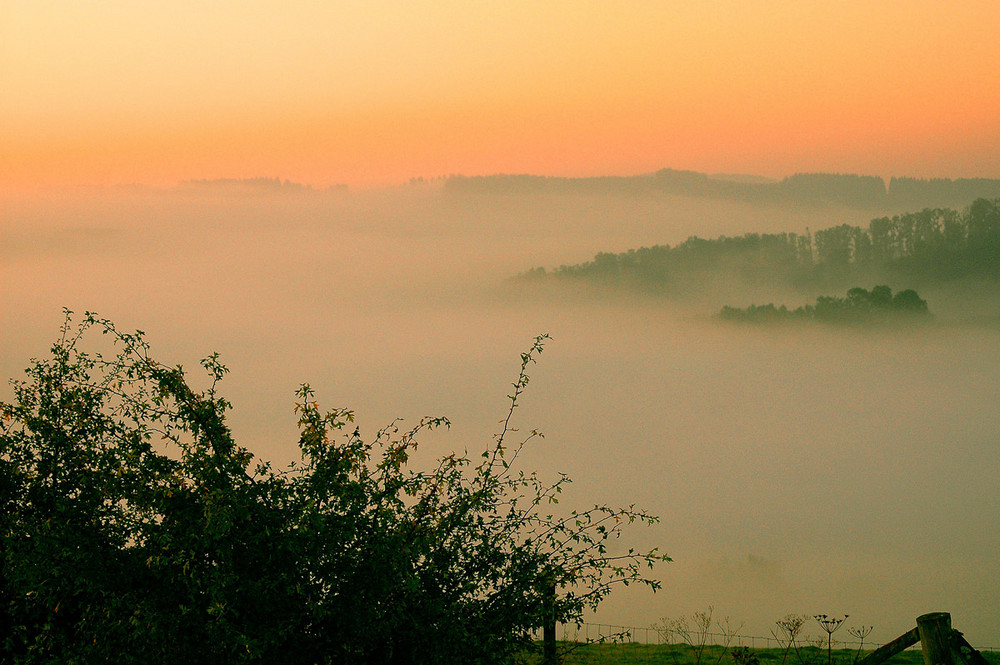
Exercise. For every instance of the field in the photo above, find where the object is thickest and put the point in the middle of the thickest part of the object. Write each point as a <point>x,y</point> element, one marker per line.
<point>681,654</point>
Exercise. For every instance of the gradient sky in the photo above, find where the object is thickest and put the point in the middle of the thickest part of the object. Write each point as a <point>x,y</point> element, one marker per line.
<point>377,92</point>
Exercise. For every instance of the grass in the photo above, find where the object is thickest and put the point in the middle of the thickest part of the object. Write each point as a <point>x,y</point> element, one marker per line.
<point>632,653</point>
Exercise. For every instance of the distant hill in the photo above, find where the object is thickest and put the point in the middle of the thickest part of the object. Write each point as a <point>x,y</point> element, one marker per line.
<point>742,177</point>
<point>850,190</point>
<point>246,185</point>
<point>941,192</point>
<point>930,247</point>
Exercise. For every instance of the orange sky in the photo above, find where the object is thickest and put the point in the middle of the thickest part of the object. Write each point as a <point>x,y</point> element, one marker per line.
<point>377,92</point>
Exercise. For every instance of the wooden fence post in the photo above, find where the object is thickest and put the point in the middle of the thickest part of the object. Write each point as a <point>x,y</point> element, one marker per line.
<point>549,629</point>
<point>887,651</point>
<point>935,638</point>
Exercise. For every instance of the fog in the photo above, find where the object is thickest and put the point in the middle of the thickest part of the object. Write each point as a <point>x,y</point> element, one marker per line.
<point>804,469</point>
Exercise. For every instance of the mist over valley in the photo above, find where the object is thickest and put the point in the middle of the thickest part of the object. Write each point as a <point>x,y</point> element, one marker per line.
<point>799,469</point>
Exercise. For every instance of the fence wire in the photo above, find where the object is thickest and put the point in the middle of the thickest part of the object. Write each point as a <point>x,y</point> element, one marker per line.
<point>612,633</point>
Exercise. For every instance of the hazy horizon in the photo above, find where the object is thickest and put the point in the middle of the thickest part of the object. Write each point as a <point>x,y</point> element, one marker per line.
<point>285,185</point>
<point>800,470</point>
<point>381,92</point>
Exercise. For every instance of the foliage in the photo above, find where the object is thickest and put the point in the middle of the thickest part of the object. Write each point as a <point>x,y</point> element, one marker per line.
<point>136,530</point>
<point>931,246</point>
<point>634,653</point>
<point>745,656</point>
<point>860,306</point>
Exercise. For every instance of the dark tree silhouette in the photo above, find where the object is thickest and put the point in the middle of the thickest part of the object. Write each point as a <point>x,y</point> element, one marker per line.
<point>136,530</point>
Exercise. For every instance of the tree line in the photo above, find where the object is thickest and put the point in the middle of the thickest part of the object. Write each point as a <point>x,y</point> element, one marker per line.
<point>935,244</point>
<point>816,189</point>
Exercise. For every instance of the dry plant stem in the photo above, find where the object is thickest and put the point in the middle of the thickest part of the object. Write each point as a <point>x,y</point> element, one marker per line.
<point>728,633</point>
<point>860,633</point>
<point>697,635</point>
<point>703,621</point>
<point>830,625</point>
<point>789,629</point>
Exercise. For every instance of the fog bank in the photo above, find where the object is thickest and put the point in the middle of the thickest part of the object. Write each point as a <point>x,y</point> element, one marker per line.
<point>806,470</point>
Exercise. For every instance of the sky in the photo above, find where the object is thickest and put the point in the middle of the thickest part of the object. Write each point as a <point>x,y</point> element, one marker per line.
<point>377,92</point>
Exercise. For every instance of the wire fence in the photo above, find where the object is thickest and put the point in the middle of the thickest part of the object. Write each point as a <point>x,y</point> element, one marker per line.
<point>603,632</point>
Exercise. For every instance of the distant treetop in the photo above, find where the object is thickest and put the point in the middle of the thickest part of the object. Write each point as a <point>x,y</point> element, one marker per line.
<point>932,246</point>
<point>860,306</point>
<point>844,189</point>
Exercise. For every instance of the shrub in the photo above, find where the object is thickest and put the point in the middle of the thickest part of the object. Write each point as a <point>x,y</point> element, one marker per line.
<point>135,529</point>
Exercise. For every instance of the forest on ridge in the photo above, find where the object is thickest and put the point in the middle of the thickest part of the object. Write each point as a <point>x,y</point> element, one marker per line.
<point>924,248</point>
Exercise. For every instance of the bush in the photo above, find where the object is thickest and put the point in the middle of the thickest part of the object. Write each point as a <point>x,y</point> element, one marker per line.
<point>136,530</point>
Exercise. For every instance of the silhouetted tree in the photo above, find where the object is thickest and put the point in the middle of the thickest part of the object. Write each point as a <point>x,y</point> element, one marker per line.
<point>136,530</point>
<point>908,301</point>
<point>859,306</point>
